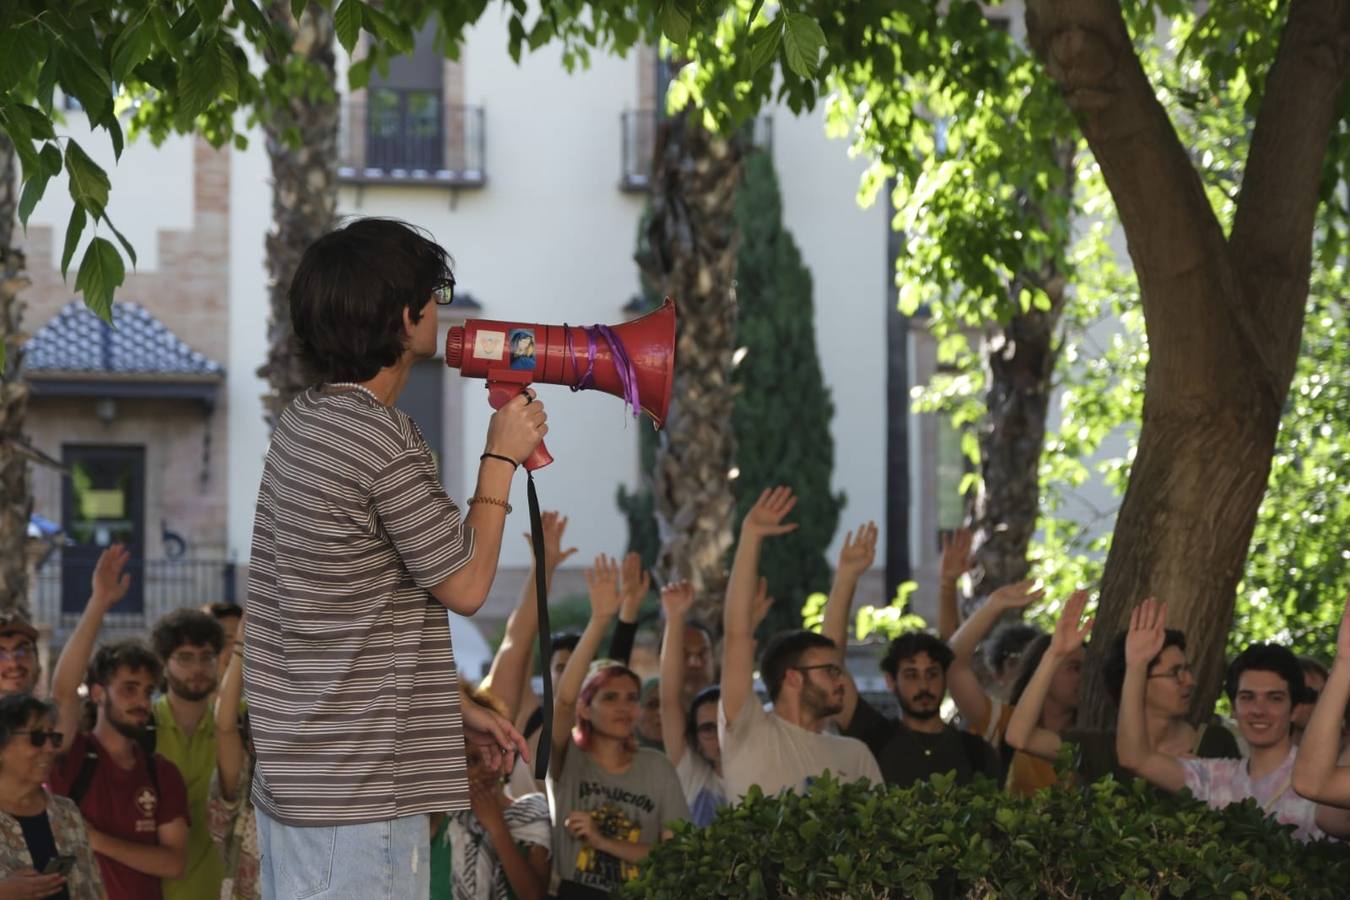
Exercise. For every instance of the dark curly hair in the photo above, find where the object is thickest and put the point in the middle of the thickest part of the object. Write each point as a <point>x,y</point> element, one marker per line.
<point>186,626</point>
<point>1268,658</point>
<point>130,653</point>
<point>911,644</point>
<point>16,711</point>
<point>349,293</point>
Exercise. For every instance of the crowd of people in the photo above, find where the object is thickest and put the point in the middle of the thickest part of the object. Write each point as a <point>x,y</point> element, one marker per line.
<point>324,745</point>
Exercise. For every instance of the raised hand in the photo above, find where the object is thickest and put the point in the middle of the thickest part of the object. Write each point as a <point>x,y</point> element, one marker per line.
<point>858,553</point>
<point>677,598</point>
<point>957,559</point>
<point>1147,634</point>
<point>763,603</point>
<point>554,524</point>
<point>1018,595</point>
<point>603,581</point>
<point>765,518</point>
<point>1071,630</point>
<point>634,582</point>
<point>109,583</point>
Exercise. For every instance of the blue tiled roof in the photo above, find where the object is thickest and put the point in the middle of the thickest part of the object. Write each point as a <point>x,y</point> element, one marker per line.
<point>76,340</point>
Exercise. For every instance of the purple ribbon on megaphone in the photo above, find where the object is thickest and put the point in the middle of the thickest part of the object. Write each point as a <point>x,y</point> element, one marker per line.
<point>622,364</point>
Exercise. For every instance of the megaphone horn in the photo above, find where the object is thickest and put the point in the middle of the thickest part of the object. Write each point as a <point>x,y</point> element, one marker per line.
<point>634,360</point>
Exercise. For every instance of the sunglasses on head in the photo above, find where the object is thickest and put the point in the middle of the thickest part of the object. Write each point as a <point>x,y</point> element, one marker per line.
<point>38,737</point>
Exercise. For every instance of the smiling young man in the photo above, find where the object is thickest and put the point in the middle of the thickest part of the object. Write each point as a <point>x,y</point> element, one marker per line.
<point>1263,682</point>
<point>19,667</point>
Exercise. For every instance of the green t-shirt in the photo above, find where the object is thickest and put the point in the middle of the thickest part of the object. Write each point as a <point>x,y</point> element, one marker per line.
<point>195,756</point>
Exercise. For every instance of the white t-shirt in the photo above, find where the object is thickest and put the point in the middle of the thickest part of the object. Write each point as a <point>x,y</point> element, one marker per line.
<point>1219,782</point>
<point>763,748</point>
<point>705,790</point>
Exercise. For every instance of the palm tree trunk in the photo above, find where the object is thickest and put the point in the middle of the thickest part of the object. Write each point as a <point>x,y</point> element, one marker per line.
<point>16,495</point>
<point>690,253</point>
<point>304,187</point>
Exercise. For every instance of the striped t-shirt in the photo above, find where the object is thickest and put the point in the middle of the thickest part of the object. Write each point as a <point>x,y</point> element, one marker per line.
<point>349,673</point>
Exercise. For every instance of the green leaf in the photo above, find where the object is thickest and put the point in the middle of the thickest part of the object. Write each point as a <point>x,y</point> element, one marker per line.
<point>199,82</point>
<point>121,239</point>
<point>347,23</point>
<point>298,8</point>
<point>132,47</point>
<point>88,182</point>
<point>101,272</point>
<point>252,16</point>
<point>229,73</point>
<point>18,54</point>
<point>74,229</point>
<point>211,10</point>
<point>115,135</point>
<point>358,74</point>
<point>764,46</point>
<point>675,20</point>
<point>398,36</point>
<point>38,123</point>
<point>804,40</point>
<point>84,81</point>
<point>50,159</point>
<point>33,190</point>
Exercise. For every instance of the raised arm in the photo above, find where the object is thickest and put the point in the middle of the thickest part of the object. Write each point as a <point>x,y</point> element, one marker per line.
<point>231,756</point>
<point>1316,773</point>
<point>956,561</point>
<point>1143,642</point>
<point>765,519</point>
<point>634,582</point>
<point>603,582</point>
<point>509,677</point>
<point>855,558</point>
<point>108,585</point>
<point>676,601</point>
<point>964,687</point>
<point>1024,728</point>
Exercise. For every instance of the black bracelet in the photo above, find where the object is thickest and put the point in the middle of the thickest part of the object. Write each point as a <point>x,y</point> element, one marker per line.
<point>514,464</point>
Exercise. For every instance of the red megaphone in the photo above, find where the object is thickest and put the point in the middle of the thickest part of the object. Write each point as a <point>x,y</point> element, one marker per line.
<point>635,360</point>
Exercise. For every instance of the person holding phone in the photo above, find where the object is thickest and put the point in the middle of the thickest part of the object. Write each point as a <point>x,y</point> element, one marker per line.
<point>44,849</point>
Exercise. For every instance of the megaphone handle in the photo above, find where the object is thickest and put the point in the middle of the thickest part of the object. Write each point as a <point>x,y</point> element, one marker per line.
<point>499,394</point>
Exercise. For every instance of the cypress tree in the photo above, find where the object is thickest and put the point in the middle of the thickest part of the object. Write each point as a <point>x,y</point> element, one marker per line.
<point>783,409</point>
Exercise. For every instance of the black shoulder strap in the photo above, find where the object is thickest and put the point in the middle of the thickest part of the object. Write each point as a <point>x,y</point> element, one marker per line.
<point>149,739</point>
<point>80,786</point>
<point>977,751</point>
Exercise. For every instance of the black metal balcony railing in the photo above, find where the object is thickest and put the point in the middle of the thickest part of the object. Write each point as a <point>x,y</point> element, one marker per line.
<point>400,136</point>
<point>61,588</point>
<point>639,144</point>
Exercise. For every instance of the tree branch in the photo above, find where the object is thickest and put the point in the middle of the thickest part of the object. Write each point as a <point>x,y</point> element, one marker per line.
<point>1272,229</point>
<point>1171,228</point>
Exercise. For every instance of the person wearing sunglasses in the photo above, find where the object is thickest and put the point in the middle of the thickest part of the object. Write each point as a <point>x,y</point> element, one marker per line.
<point>44,848</point>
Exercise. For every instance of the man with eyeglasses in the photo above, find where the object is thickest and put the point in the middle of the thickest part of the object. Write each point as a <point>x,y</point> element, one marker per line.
<point>783,748</point>
<point>19,667</point>
<point>136,815</point>
<point>189,642</point>
<point>1169,686</point>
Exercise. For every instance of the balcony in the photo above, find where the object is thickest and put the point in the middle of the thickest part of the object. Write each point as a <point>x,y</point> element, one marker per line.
<point>60,590</point>
<point>638,129</point>
<point>411,137</point>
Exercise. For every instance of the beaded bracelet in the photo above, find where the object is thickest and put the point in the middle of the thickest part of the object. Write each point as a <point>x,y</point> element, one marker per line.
<point>493,501</point>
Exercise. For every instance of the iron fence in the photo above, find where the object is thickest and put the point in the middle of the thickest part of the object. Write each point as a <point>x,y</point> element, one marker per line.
<point>397,136</point>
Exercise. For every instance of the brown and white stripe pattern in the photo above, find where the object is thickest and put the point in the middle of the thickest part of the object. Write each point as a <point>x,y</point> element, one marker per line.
<point>349,672</point>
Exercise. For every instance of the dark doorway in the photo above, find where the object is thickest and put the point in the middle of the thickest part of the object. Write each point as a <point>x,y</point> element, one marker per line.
<point>102,503</point>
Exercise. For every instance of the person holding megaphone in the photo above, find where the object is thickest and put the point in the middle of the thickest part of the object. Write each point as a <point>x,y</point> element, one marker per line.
<point>357,551</point>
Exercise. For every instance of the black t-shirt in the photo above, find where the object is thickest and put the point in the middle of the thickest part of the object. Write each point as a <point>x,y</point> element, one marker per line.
<point>906,756</point>
<point>37,834</point>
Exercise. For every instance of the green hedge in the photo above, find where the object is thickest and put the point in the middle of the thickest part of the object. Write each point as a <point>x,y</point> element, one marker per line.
<point>939,840</point>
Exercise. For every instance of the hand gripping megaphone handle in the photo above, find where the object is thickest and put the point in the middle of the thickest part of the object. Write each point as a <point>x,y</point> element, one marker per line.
<point>503,385</point>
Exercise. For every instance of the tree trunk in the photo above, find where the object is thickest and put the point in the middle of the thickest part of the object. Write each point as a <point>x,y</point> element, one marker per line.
<point>304,188</point>
<point>1224,315</point>
<point>1020,360</point>
<point>16,495</point>
<point>690,253</point>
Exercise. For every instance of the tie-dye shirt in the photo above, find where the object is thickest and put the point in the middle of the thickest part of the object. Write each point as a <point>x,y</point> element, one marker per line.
<point>1219,782</point>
